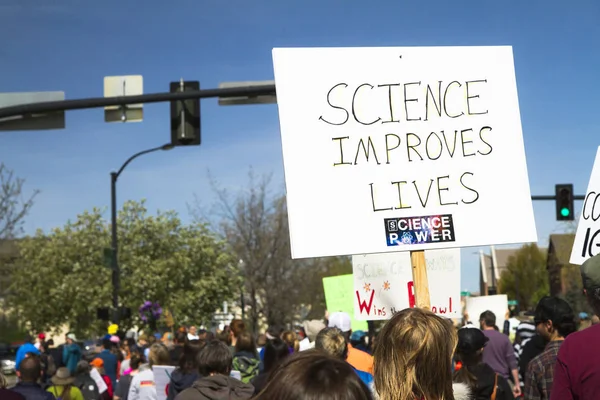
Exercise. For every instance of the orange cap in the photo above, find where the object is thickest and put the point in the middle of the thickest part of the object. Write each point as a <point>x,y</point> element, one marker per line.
<point>97,362</point>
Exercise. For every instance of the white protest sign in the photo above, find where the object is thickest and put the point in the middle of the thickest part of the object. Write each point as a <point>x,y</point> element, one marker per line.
<point>162,379</point>
<point>383,283</point>
<point>498,304</point>
<point>406,148</point>
<point>587,238</point>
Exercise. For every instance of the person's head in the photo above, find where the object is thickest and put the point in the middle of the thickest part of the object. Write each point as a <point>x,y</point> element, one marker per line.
<point>236,327</point>
<point>487,320</point>
<point>215,359</point>
<point>314,375</point>
<point>554,318</point>
<point>98,364</point>
<point>225,336</point>
<point>193,330</point>
<point>159,355</point>
<point>143,340</point>
<point>358,338</point>
<point>275,351</point>
<point>261,340</point>
<point>590,277</point>
<point>107,344</point>
<point>471,342</point>
<point>30,369</point>
<point>180,338</point>
<point>202,334</point>
<point>291,339</point>
<point>245,342</point>
<point>274,331</point>
<point>28,338</point>
<point>62,377</point>
<point>413,356</point>
<point>83,368</point>
<point>71,338</point>
<point>343,322</point>
<point>188,362</point>
<point>136,360</point>
<point>151,340</point>
<point>332,342</point>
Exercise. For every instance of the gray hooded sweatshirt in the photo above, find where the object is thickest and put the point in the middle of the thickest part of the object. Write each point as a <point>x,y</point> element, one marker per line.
<point>217,387</point>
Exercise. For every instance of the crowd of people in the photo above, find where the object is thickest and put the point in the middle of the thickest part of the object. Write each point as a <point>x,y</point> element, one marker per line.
<point>417,355</point>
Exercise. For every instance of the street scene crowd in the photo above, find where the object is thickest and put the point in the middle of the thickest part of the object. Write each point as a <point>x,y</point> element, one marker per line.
<point>416,355</point>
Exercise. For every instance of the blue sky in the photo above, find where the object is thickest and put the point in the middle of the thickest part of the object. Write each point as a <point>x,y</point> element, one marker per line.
<point>70,45</point>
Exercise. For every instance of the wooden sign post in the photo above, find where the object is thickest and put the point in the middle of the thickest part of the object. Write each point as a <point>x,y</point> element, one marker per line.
<point>421,284</point>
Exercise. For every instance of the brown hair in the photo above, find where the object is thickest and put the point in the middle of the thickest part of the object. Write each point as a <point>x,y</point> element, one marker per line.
<point>188,361</point>
<point>237,326</point>
<point>245,342</point>
<point>215,358</point>
<point>314,375</point>
<point>413,357</point>
<point>332,342</point>
<point>159,355</point>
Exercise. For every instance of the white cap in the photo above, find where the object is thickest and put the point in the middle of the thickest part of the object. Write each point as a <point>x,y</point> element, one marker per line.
<point>340,320</point>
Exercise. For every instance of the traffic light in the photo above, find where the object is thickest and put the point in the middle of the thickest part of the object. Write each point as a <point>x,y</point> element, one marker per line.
<point>564,203</point>
<point>185,116</point>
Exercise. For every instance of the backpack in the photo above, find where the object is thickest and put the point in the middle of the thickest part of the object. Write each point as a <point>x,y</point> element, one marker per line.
<point>248,367</point>
<point>88,388</point>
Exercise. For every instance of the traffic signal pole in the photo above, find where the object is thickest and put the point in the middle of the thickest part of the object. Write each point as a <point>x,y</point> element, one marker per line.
<point>553,198</point>
<point>98,102</point>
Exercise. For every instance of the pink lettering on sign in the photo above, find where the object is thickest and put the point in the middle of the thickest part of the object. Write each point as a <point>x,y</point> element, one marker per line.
<point>362,305</point>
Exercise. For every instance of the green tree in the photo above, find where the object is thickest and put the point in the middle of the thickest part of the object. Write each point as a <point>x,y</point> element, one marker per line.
<point>61,277</point>
<point>525,278</point>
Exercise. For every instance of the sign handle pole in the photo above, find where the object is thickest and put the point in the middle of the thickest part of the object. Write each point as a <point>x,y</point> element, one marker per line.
<point>421,284</point>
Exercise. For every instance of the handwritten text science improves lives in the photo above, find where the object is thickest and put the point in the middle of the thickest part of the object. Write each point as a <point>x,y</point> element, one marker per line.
<point>419,148</point>
<point>406,102</point>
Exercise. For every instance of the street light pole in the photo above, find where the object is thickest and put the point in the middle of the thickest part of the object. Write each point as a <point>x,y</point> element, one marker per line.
<point>114,176</point>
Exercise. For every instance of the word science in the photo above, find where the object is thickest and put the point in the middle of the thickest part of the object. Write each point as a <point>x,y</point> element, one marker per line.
<point>415,144</point>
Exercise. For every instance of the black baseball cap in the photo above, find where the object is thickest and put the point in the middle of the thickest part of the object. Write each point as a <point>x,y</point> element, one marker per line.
<point>470,340</point>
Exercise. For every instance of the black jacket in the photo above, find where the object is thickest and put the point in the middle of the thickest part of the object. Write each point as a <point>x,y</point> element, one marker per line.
<point>486,377</point>
<point>32,391</point>
<point>180,381</point>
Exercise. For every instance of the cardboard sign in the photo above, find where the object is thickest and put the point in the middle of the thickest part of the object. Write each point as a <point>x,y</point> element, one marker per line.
<point>383,284</point>
<point>398,149</point>
<point>338,297</point>
<point>498,304</point>
<point>587,239</point>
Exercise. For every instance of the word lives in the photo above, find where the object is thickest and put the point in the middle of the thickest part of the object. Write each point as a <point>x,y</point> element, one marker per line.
<point>401,117</point>
<point>419,230</point>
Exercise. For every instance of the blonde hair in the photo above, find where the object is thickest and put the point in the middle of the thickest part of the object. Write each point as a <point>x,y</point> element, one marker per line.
<point>413,357</point>
<point>332,342</point>
<point>291,339</point>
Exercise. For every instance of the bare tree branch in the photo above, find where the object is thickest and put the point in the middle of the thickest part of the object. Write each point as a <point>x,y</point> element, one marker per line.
<point>13,205</point>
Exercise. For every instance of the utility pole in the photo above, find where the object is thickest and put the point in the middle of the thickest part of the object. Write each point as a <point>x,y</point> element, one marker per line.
<point>116,277</point>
